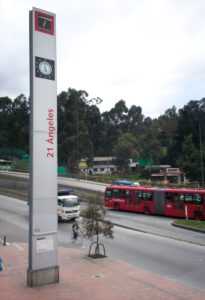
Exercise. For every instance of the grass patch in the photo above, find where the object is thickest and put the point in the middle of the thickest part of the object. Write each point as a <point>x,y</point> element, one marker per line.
<point>192,224</point>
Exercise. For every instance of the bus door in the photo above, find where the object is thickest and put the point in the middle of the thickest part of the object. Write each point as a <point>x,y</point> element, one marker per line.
<point>159,201</point>
<point>127,197</point>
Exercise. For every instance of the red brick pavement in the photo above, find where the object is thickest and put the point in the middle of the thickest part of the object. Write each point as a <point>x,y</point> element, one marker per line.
<point>83,278</point>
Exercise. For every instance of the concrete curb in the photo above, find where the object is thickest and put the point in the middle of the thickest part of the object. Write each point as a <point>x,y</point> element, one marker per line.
<point>188,228</point>
<point>158,234</point>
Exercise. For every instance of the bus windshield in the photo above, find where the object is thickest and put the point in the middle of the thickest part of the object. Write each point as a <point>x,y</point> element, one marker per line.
<point>69,201</point>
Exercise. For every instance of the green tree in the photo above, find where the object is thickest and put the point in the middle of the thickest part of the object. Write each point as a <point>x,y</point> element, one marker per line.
<point>167,135</point>
<point>75,139</point>
<point>148,141</point>
<point>94,124</point>
<point>190,123</point>
<point>19,124</point>
<point>125,149</point>
<point>14,123</point>
<point>135,120</point>
<point>5,116</point>
<point>114,123</point>
<point>190,159</point>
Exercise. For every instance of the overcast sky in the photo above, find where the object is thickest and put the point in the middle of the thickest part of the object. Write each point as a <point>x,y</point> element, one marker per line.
<point>147,52</point>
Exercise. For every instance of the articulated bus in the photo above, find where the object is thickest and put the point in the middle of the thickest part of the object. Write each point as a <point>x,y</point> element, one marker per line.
<point>170,202</point>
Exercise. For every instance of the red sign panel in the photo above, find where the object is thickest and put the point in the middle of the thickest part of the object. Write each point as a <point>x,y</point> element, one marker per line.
<point>44,22</point>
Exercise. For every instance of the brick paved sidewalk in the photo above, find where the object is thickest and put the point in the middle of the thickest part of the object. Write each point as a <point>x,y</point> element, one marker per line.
<point>83,278</point>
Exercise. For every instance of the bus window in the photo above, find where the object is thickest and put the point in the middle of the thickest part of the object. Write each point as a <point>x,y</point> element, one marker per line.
<point>108,193</point>
<point>144,195</point>
<point>179,201</point>
<point>180,197</point>
<point>147,196</point>
<point>169,197</point>
<point>115,193</point>
<point>139,195</point>
<point>127,196</point>
<point>197,199</point>
<point>188,198</point>
<point>137,199</point>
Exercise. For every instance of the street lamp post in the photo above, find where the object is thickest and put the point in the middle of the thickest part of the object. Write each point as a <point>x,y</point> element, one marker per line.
<point>201,157</point>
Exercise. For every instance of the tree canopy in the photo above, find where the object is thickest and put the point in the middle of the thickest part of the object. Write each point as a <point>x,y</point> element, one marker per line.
<point>176,137</point>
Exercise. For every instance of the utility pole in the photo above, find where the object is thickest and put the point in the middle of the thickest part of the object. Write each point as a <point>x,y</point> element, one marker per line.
<point>76,141</point>
<point>201,156</point>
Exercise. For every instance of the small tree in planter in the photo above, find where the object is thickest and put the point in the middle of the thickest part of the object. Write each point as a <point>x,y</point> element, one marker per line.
<point>94,224</point>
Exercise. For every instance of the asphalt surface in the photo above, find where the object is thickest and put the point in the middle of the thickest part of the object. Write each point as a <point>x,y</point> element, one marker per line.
<point>160,226</point>
<point>181,261</point>
<point>71,182</point>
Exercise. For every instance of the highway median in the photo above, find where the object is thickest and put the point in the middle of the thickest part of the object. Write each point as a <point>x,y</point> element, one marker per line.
<point>195,225</point>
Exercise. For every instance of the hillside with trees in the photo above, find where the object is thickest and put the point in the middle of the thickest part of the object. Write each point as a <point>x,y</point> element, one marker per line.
<point>177,137</point>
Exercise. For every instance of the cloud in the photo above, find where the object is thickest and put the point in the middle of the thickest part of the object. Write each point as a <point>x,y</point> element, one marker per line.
<point>149,53</point>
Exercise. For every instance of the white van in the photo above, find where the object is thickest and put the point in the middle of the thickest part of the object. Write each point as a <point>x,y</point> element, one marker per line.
<point>68,206</point>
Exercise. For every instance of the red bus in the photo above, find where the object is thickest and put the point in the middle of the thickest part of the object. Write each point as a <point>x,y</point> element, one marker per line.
<point>170,202</point>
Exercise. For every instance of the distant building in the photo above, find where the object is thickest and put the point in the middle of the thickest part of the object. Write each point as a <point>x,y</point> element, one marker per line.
<point>100,165</point>
<point>133,164</point>
<point>168,174</point>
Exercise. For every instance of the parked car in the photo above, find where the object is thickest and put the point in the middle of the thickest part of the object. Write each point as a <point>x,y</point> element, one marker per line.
<point>125,182</point>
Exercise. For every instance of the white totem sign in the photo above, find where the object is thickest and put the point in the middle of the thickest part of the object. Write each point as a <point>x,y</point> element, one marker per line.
<point>43,264</point>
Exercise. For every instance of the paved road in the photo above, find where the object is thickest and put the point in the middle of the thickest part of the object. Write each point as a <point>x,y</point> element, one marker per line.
<point>149,224</point>
<point>75,183</point>
<point>156,225</point>
<point>174,259</point>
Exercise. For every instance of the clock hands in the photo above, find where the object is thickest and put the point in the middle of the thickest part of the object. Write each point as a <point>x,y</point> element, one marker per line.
<point>44,68</point>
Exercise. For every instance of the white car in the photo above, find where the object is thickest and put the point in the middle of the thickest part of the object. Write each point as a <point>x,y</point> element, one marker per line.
<point>68,207</point>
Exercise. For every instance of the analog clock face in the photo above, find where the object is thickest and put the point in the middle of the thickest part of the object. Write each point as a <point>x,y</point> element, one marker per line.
<point>45,68</point>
